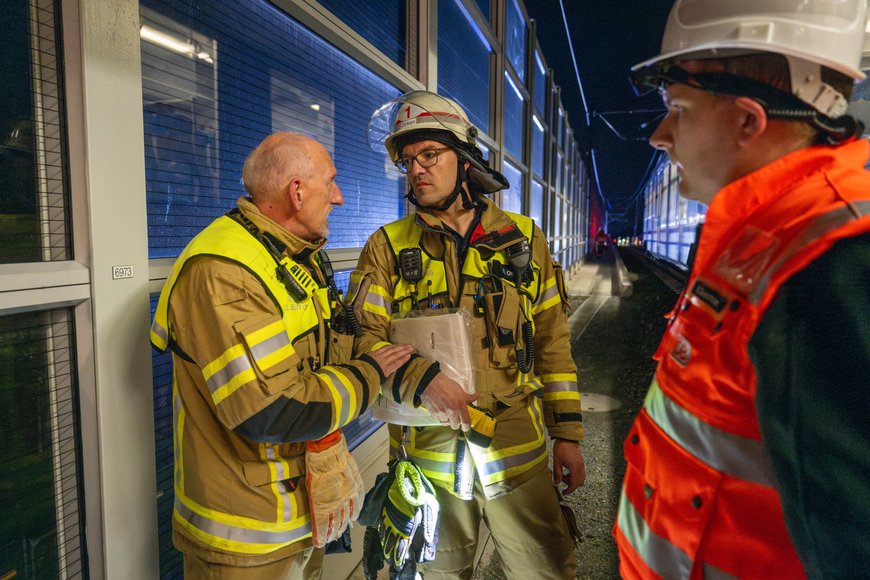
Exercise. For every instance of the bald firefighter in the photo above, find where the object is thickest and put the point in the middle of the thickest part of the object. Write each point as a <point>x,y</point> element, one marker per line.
<point>460,250</point>
<point>263,377</point>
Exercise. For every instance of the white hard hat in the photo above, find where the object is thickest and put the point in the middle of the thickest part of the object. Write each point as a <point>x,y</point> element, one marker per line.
<point>810,34</point>
<point>418,111</point>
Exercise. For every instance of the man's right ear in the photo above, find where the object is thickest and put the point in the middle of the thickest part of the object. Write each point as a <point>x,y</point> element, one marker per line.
<point>295,193</point>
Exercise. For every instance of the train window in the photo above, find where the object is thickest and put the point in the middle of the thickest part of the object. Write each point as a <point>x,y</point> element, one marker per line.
<point>212,91</point>
<point>381,22</point>
<point>34,220</point>
<point>514,118</point>
<point>512,198</point>
<point>515,39</point>
<point>41,497</point>
<point>463,62</point>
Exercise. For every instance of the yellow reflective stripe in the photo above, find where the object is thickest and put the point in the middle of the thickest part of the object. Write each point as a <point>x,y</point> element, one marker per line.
<point>279,470</point>
<point>228,372</point>
<point>536,414</point>
<point>377,300</point>
<point>343,395</point>
<point>561,396</point>
<point>559,377</point>
<point>378,345</point>
<point>549,296</point>
<point>510,461</point>
<point>270,345</point>
<point>236,533</point>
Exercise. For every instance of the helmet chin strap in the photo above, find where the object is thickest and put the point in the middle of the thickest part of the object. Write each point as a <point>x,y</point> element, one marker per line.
<point>469,201</point>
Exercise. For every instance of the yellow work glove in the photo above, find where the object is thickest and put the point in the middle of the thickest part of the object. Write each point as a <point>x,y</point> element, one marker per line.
<point>409,518</point>
<point>335,488</point>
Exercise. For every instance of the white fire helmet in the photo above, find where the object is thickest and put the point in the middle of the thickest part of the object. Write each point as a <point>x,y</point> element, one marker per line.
<point>418,111</point>
<point>810,34</point>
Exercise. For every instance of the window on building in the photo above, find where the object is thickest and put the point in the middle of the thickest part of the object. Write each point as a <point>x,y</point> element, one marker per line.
<point>463,62</point>
<point>381,22</point>
<point>537,146</point>
<point>212,92</point>
<point>484,7</point>
<point>514,117</point>
<point>34,225</point>
<point>536,203</point>
<point>512,198</point>
<point>515,39</point>
<point>540,90</point>
<point>41,498</point>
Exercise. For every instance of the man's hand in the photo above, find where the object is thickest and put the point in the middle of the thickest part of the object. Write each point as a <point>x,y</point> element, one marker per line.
<point>447,402</point>
<point>390,358</point>
<point>568,456</point>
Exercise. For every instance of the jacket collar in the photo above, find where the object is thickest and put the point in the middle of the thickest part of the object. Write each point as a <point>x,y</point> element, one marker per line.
<point>293,245</point>
<point>493,221</point>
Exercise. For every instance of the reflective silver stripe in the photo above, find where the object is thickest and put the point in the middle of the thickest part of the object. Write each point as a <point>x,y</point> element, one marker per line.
<point>344,418</point>
<point>376,299</point>
<point>732,454</point>
<point>238,534</point>
<point>270,345</point>
<point>280,475</point>
<point>505,463</point>
<point>661,556</point>
<point>233,368</point>
<point>822,225</point>
<point>560,386</point>
<point>160,331</point>
<point>548,293</point>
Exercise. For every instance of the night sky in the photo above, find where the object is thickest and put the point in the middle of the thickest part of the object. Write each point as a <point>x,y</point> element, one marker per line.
<point>608,38</point>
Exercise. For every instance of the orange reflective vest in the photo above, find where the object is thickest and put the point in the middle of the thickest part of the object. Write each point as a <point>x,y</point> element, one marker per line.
<point>699,497</point>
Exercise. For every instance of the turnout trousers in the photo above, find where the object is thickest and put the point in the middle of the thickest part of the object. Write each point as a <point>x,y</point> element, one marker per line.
<point>522,526</point>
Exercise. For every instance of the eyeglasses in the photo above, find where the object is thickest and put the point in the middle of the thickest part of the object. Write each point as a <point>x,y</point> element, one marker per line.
<point>425,158</point>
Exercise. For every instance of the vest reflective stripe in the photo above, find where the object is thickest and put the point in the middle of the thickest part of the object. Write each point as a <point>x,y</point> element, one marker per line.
<point>264,347</point>
<point>658,554</point>
<point>237,534</point>
<point>342,393</point>
<point>228,372</point>
<point>226,238</point>
<point>736,456</point>
<point>819,227</point>
<point>406,233</point>
<point>280,471</point>
<point>550,296</point>
<point>159,336</point>
<point>377,301</point>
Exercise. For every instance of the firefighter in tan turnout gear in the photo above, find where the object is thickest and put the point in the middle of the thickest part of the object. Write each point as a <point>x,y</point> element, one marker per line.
<point>461,250</point>
<point>263,379</point>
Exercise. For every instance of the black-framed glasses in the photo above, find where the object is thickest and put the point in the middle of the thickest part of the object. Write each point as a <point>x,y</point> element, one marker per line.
<point>425,158</point>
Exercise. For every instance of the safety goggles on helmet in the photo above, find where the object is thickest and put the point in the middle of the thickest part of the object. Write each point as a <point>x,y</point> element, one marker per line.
<point>418,111</point>
<point>778,104</point>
